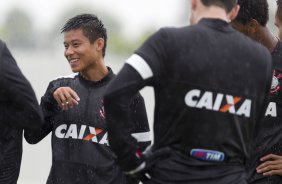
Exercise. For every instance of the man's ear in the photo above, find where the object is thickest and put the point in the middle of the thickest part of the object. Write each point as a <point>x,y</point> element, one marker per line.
<point>100,44</point>
<point>234,12</point>
<point>253,26</point>
<point>193,4</point>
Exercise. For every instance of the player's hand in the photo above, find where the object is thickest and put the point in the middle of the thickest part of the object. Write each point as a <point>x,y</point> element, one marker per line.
<point>150,157</point>
<point>66,97</point>
<point>271,165</point>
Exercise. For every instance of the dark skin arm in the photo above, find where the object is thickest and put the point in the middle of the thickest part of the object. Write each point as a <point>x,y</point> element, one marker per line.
<point>271,165</point>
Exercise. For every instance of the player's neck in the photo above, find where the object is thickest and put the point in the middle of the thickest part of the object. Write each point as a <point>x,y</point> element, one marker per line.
<point>213,12</point>
<point>95,73</point>
<point>267,39</point>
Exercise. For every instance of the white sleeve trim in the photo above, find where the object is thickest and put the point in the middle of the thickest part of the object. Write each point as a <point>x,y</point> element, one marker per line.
<point>68,76</point>
<point>142,137</point>
<point>140,65</point>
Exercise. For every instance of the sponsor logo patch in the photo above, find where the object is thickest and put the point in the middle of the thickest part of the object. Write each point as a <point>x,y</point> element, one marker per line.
<point>218,102</point>
<point>207,155</point>
<point>82,132</point>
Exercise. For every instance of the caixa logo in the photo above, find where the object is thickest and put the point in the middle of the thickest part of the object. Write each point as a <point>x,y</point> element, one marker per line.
<point>218,102</point>
<point>82,132</point>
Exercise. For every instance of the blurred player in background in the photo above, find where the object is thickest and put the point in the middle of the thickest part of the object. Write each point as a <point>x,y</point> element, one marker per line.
<point>19,110</point>
<point>265,159</point>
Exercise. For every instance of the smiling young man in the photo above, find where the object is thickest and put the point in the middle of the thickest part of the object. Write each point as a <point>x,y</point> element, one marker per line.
<point>81,153</point>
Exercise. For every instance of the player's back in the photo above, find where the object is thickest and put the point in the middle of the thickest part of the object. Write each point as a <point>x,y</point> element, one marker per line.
<point>210,90</point>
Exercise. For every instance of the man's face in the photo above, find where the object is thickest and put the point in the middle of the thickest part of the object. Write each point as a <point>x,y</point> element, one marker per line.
<point>278,24</point>
<point>80,54</point>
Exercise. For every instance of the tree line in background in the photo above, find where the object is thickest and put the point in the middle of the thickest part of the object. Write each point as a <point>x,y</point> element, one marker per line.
<point>19,31</point>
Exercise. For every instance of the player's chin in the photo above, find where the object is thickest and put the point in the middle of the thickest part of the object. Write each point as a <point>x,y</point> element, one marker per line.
<point>75,69</point>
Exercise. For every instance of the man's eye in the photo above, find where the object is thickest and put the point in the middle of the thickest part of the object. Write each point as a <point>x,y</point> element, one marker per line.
<point>76,44</point>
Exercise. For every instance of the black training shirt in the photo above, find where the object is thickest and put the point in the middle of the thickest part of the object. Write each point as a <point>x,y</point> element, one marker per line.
<point>210,84</point>
<point>80,148</point>
<point>269,139</point>
<point>19,110</point>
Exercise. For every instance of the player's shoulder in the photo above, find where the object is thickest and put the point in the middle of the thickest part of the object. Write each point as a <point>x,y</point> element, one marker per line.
<point>261,50</point>
<point>178,30</point>
<point>3,48</point>
<point>246,41</point>
<point>184,32</point>
<point>249,45</point>
<point>2,44</point>
<point>171,35</point>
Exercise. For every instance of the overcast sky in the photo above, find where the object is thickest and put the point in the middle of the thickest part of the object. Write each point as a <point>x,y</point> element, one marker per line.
<point>133,14</point>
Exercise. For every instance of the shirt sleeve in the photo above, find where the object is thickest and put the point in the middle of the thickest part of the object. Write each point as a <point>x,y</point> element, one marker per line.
<point>117,101</point>
<point>149,59</point>
<point>50,109</point>
<point>142,68</point>
<point>138,117</point>
<point>18,107</point>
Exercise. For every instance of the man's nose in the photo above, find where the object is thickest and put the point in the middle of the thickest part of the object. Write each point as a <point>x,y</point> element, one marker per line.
<point>69,51</point>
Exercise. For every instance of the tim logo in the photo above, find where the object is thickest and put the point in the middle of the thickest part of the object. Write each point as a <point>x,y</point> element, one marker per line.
<point>218,102</point>
<point>207,155</point>
<point>82,132</point>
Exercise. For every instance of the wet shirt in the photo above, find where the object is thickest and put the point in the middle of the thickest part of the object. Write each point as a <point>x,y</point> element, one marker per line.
<point>269,138</point>
<point>19,110</point>
<point>209,93</point>
<point>80,148</point>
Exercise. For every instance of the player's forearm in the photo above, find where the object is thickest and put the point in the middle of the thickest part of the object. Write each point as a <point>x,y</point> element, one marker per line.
<point>120,139</point>
<point>35,136</point>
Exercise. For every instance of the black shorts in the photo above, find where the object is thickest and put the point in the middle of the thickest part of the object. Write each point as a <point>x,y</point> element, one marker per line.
<point>179,168</point>
<point>268,180</point>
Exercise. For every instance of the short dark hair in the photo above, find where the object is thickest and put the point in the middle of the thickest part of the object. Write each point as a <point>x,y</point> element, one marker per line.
<point>91,26</point>
<point>226,4</point>
<point>279,9</point>
<point>253,9</point>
